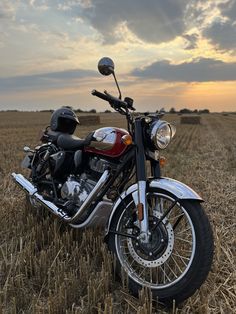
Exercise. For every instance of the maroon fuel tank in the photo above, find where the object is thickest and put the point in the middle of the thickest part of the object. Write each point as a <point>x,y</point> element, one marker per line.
<point>107,141</point>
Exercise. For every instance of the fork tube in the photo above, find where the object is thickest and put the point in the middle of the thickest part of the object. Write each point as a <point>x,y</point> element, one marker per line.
<point>155,169</point>
<point>141,179</point>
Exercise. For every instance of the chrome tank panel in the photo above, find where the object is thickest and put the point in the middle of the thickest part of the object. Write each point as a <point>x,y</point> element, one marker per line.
<point>104,138</point>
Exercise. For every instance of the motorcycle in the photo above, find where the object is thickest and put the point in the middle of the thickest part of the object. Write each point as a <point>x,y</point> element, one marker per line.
<point>155,226</point>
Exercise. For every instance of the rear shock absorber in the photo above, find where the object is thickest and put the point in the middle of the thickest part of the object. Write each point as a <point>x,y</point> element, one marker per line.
<point>43,161</point>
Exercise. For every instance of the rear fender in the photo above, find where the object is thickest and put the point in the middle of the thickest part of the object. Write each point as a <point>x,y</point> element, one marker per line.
<point>178,189</point>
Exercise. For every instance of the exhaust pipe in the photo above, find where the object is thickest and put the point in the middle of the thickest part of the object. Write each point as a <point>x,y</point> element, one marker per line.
<point>28,187</point>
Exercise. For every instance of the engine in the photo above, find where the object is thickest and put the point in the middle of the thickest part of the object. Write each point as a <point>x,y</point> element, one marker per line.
<point>99,165</point>
<point>77,189</point>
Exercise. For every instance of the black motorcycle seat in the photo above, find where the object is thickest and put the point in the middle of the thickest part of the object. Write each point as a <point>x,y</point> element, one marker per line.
<point>72,142</point>
<point>67,141</point>
<point>53,135</point>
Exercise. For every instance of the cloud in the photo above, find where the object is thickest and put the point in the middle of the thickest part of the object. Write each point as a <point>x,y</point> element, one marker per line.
<point>222,34</point>
<point>151,20</point>
<point>44,80</point>
<point>191,41</point>
<point>41,5</point>
<point>199,70</point>
<point>222,31</point>
<point>228,9</point>
<point>7,10</point>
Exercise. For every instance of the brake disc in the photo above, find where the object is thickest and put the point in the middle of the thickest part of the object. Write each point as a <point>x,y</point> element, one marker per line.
<point>149,260</point>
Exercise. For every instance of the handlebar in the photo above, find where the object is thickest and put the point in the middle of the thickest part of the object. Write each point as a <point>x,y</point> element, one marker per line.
<point>100,95</point>
<point>116,103</point>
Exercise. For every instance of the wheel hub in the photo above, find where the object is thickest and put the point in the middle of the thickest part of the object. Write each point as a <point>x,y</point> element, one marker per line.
<point>158,240</point>
<point>160,246</point>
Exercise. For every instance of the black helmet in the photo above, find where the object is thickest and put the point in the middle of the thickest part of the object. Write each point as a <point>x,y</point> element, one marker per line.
<point>64,120</point>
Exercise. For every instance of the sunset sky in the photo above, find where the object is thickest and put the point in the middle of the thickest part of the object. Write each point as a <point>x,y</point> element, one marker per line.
<point>167,53</point>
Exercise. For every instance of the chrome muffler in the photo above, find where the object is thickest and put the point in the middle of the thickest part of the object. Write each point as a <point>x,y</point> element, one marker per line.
<point>28,187</point>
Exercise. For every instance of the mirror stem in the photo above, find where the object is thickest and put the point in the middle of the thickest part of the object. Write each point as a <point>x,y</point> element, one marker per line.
<point>113,73</point>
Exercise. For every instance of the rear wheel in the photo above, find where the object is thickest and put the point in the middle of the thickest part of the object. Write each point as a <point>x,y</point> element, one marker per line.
<point>31,205</point>
<point>178,257</point>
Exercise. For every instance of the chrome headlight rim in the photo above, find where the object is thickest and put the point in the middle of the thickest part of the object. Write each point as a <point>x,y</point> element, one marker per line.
<point>157,126</point>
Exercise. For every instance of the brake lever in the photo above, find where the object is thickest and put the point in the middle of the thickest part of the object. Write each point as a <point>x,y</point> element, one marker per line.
<point>116,100</point>
<point>129,101</point>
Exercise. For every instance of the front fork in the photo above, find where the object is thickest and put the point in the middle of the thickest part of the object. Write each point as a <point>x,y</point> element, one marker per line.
<point>140,196</point>
<point>143,212</point>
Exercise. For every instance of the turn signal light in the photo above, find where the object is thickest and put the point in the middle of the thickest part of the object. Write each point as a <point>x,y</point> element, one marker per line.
<point>140,211</point>
<point>162,161</point>
<point>127,139</point>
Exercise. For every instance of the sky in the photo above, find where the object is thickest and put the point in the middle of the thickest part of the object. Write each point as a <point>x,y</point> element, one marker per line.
<point>167,53</point>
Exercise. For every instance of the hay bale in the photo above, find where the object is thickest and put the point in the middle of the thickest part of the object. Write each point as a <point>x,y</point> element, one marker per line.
<point>190,119</point>
<point>89,120</point>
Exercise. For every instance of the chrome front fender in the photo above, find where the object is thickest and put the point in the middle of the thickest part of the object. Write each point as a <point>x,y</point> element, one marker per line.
<point>177,188</point>
<point>180,190</point>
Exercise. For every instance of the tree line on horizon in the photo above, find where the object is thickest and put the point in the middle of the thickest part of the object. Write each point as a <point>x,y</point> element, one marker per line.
<point>188,111</point>
<point>93,111</point>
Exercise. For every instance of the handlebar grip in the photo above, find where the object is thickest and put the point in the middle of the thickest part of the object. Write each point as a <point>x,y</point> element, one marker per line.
<point>113,101</point>
<point>100,95</point>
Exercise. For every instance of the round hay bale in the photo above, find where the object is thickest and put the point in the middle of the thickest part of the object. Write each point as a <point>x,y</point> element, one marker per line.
<point>190,119</point>
<point>89,120</point>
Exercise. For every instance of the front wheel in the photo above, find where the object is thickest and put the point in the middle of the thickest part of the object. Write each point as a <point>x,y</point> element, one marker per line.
<point>178,257</point>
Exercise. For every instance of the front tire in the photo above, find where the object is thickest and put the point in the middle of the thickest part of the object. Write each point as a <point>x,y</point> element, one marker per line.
<point>177,260</point>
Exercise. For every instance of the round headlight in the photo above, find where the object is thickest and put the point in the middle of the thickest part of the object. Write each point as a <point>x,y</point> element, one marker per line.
<point>162,133</point>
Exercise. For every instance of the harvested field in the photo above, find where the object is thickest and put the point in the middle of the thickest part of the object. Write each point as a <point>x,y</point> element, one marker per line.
<point>46,267</point>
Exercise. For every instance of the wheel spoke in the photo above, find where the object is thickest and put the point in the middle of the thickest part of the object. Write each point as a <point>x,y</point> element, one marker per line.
<point>182,257</point>
<point>126,253</point>
<point>150,270</point>
<point>184,230</point>
<point>177,221</point>
<point>171,270</point>
<point>132,263</point>
<point>155,275</point>
<point>123,246</point>
<point>165,275</point>
<point>160,207</point>
<point>144,269</point>
<point>184,240</point>
<point>176,264</point>
<point>174,218</point>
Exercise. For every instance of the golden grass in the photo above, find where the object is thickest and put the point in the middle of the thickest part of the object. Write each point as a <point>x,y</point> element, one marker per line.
<point>46,267</point>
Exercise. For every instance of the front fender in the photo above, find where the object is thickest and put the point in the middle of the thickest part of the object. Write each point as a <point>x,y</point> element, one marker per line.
<point>180,190</point>
<point>177,188</point>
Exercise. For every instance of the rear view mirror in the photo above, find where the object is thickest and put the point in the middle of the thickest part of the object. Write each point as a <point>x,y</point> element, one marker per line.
<point>106,66</point>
